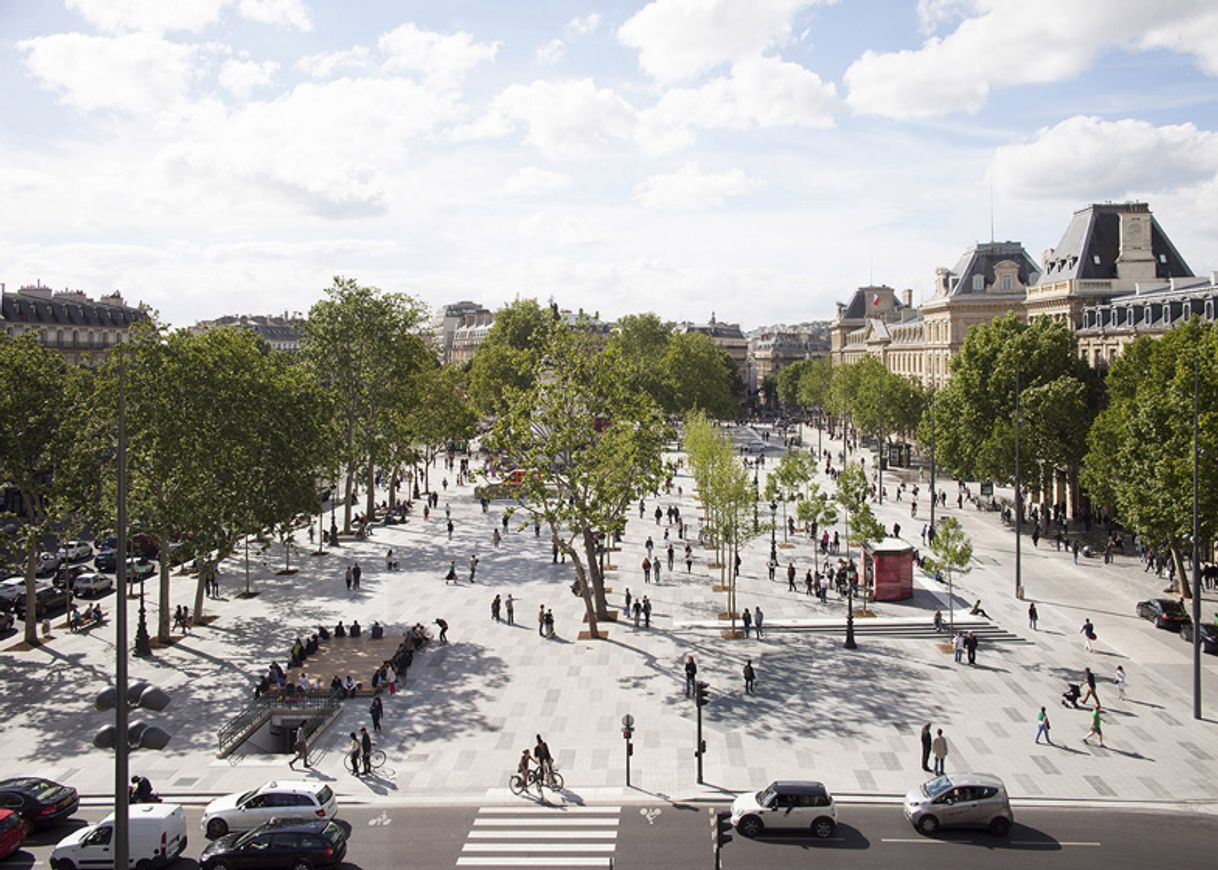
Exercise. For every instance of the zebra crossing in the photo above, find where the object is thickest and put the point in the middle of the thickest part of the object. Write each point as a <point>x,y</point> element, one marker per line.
<point>537,836</point>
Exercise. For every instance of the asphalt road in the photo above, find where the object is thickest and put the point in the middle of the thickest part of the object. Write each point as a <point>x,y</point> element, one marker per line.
<point>679,836</point>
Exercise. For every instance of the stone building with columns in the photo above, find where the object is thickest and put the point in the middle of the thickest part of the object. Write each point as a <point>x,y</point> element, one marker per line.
<point>81,329</point>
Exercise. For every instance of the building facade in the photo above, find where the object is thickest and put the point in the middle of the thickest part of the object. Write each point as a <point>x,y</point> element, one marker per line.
<point>81,329</point>
<point>770,349</point>
<point>468,334</point>
<point>446,323</point>
<point>728,336</point>
<point>280,332</point>
<point>1108,327</point>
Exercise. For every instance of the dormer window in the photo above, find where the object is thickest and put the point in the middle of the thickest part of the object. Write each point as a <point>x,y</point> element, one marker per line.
<point>978,282</point>
<point>1163,259</point>
<point>1006,283</point>
<point>1095,258</point>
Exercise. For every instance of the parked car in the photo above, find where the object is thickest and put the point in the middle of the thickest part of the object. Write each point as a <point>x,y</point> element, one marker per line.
<point>1165,613</point>
<point>13,831</point>
<point>298,801</point>
<point>92,584</point>
<point>75,551</point>
<point>138,568</point>
<point>1209,636</point>
<point>41,802</point>
<point>106,559</point>
<point>48,598</point>
<point>10,589</point>
<point>47,563</point>
<point>156,836</point>
<point>960,800</point>
<point>279,844</point>
<point>786,806</point>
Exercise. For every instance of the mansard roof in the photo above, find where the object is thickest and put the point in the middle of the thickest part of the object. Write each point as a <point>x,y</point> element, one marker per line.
<point>1091,244</point>
<point>65,311</point>
<point>981,258</point>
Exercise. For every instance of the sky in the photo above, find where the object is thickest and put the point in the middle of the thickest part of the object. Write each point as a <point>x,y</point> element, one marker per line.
<point>755,159</point>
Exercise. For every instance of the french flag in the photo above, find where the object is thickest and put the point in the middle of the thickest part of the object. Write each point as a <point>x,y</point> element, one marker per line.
<point>875,300</point>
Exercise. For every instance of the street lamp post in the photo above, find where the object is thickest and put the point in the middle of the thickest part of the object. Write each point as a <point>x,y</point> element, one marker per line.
<point>143,644</point>
<point>934,497</point>
<point>1018,494</point>
<point>850,642</point>
<point>773,536</point>
<point>121,821</point>
<point>333,519</point>
<point>756,497</point>
<point>1196,562</point>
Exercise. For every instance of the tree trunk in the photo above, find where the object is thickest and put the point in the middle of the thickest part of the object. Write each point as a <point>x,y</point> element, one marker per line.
<point>350,482</point>
<point>162,607</point>
<point>197,610</point>
<point>584,586</point>
<point>598,579</point>
<point>393,490</point>
<point>1180,582</point>
<point>31,617</point>
<point>371,501</point>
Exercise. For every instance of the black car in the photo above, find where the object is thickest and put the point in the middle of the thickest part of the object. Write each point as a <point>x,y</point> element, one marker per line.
<point>106,558</point>
<point>48,598</point>
<point>1209,636</point>
<point>41,802</point>
<point>291,845</point>
<point>1164,613</point>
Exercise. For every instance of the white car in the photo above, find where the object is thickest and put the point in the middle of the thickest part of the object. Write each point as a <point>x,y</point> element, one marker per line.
<point>91,583</point>
<point>786,806</point>
<point>278,800</point>
<point>74,551</point>
<point>11,589</point>
<point>47,563</point>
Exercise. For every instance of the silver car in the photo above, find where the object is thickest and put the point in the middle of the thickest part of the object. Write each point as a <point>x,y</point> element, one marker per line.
<point>975,800</point>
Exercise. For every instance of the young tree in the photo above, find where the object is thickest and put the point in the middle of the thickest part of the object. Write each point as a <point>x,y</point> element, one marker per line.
<point>32,408</point>
<point>952,551</point>
<point>815,510</point>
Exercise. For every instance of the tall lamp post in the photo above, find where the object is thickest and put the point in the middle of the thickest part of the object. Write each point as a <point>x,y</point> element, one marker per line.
<point>121,749</point>
<point>333,519</point>
<point>1196,561</point>
<point>934,497</point>
<point>756,497</point>
<point>143,643</point>
<point>1018,494</point>
<point>773,537</point>
<point>850,642</point>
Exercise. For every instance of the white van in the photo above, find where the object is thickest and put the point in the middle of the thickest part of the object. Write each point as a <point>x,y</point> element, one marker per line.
<point>157,837</point>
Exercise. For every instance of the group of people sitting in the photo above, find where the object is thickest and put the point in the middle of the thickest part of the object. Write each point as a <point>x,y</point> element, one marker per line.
<point>275,677</point>
<point>76,616</point>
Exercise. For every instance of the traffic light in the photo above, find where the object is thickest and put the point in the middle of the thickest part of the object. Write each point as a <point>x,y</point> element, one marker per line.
<point>700,693</point>
<point>723,829</point>
<point>140,735</point>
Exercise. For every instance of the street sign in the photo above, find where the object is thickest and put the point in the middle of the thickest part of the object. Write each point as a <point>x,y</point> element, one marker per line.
<point>627,721</point>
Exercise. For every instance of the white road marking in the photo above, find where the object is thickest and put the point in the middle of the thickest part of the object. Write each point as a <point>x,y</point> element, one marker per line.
<point>545,823</point>
<point>542,835</point>
<point>538,847</point>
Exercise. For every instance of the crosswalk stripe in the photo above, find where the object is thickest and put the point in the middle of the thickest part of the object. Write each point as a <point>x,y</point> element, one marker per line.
<point>542,835</point>
<point>557,811</point>
<point>545,823</point>
<point>538,861</point>
<point>539,847</point>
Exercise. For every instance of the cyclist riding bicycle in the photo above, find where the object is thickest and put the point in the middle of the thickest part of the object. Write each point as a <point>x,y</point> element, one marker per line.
<point>545,761</point>
<point>525,768</point>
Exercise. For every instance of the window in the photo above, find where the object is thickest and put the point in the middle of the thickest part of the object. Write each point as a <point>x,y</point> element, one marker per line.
<point>1006,283</point>
<point>978,282</point>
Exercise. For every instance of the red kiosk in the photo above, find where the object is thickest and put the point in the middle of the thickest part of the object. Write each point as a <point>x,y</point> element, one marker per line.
<point>892,569</point>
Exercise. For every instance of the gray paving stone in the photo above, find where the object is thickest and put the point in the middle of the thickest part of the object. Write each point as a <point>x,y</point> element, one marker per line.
<point>1046,765</point>
<point>1101,788</point>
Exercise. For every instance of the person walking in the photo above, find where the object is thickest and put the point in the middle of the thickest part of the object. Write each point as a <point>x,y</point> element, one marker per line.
<point>450,530</point>
<point>1119,679</point>
<point>938,748</point>
<point>1088,633</point>
<point>348,578</point>
<point>671,557</point>
<point>747,619</point>
<point>376,711</point>
<point>365,749</point>
<point>1090,693</point>
<point>353,753</point>
<point>655,569</point>
<point>689,559</point>
<point>1042,726</point>
<point>638,612</point>
<point>758,620</point>
<point>970,644</point>
<point>646,570</point>
<point>1033,616</point>
<point>646,612</point>
<point>549,623</point>
<point>509,606</point>
<point>496,604</point>
<point>691,674</point>
<point>541,621</point>
<point>926,742</point>
<point>958,646</point>
<point>790,576</point>
<point>1097,727</point>
<point>772,566</point>
<point>808,582</point>
<point>749,676</point>
<point>473,566</point>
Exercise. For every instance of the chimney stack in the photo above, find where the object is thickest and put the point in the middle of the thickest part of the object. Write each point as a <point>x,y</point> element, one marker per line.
<point>907,297</point>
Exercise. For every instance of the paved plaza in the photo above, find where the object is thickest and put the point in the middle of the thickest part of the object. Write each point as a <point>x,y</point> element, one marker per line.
<point>851,719</point>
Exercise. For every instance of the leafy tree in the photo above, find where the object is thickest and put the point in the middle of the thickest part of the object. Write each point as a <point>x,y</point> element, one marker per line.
<point>788,479</point>
<point>588,445</point>
<point>787,382</point>
<point>701,375</point>
<point>436,411</point>
<point>1141,447</point>
<point>952,551</point>
<point>32,391</point>
<point>642,340</point>
<point>816,384</point>
<point>510,356</point>
<point>815,510</point>
<point>852,490</point>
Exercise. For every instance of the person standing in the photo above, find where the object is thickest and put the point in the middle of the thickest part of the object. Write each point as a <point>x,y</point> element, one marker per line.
<point>355,575</point>
<point>348,578</point>
<point>1088,633</point>
<point>758,620</point>
<point>790,576</point>
<point>938,748</point>
<point>1032,616</point>
<point>689,559</point>
<point>1097,727</point>
<point>958,646</point>
<point>970,644</point>
<point>808,582</point>
<point>1042,726</point>
<point>638,612</point>
<point>495,605</point>
<point>1119,679</point>
<point>655,569</point>
<point>549,623</point>
<point>671,556</point>
<point>646,612</point>
<point>545,761</point>
<point>511,609</point>
<point>376,711</point>
<point>747,619</point>
<point>541,621</point>
<point>365,749</point>
<point>1090,693</point>
<point>450,530</point>
<point>646,570</point>
<point>353,753</point>
<point>691,674</point>
<point>473,566</point>
<point>629,599</point>
<point>749,676</point>
<point>772,566</point>
<point>926,742</point>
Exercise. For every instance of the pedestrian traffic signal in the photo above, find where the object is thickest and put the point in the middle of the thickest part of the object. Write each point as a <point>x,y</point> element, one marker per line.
<point>723,829</point>
<point>700,694</point>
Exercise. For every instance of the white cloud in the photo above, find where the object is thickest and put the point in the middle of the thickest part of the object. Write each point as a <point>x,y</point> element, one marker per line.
<point>242,77</point>
<point>443,59</point>
<point>1088,159</point>
<point>583,26</point>
<point>560,230</point>
<point>551,53</point>
<point>531,181</point>
<point>690,188</point>
<point>326,63</point>
<point>135,72</point>
<point>563,118</point>
<point>163,16</point>
<point>760,91</point>
<point>677,39</point>
<point>935,14</point>
<point>1015,42</point>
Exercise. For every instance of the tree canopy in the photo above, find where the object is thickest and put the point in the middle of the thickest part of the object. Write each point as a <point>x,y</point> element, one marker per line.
<point>509,357</point>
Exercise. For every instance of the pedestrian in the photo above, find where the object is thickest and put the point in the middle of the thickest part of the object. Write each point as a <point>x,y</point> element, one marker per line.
<point>790,576</point>
<point>626,609</point>
<point>958,646</point>
<point>443,631</point>
<point>646,570</point>
<point>1088,633</point>
<point>808,582</point>
<point>348,578</point>
<point>365,747</point>
<point>1032,616</point>
<point>671,556</point>
<point>473,567</point>
<point>496,604</point>
<point>1119,679</point>
<point>376,711</point>
<point>638,612</point>
<point>549,623</point>
<point>689,559</point>
<point>450,530</point>
<point>1042,726</point>
<point>926,742</point>
<point>1091,693</point>
<point>772,566</point>
<point>504,520</point>
<point>691,674</point>
<point>1097,727</point>
<point>749,676</point>
<point>510,608</point>
<point>541,621</point>
<point>938,748</point>
<point>970,644</point>
<point>1074,548</point>
<point>301,748</point>
<point>353,753</point>
<point>355,575</point>
<point>496,538</point>
<point>646,612</point>
<point>758,620</point>
<point>655,569</point>
<point>747,619</point>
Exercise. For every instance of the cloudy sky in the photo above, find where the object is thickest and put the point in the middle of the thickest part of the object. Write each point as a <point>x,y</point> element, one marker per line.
<point>757,158</point>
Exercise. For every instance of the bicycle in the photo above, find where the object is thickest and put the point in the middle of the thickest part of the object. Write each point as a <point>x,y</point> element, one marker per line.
<point>376,760</point>
<point>552,780</point>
